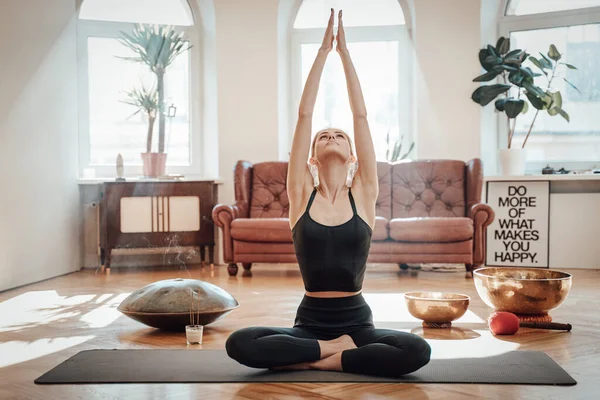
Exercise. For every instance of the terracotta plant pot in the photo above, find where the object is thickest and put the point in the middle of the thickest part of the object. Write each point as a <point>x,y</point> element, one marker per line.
<point>154,164</point>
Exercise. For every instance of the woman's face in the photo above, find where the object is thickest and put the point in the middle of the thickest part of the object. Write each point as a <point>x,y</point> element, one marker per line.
<point>332,142</point>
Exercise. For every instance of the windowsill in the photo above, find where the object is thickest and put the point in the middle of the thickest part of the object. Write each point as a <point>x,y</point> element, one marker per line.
<point>186,178</point>
<point>549,177</point>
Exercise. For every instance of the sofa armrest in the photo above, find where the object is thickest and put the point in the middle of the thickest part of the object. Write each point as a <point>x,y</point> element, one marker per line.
<point>482,215</point>
<point>222,216</point>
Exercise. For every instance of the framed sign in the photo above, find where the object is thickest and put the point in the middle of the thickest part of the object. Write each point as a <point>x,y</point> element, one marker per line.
<point>519,235</point>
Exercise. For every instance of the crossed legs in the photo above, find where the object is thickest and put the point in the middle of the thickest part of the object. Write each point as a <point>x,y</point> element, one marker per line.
<point>382,352</point>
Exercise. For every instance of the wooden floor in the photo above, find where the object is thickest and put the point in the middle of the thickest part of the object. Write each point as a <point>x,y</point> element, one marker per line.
<point>42,325</point>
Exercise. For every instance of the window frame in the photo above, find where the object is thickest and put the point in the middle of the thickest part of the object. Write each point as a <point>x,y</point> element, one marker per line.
<point>358,34</point>
<point>557,19</point>
<point>111,29</point>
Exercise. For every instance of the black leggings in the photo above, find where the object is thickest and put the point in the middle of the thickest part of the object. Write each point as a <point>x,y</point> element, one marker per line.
<point>382,352</point>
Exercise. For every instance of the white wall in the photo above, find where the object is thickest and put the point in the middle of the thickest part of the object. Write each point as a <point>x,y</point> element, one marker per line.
<point>38,141</point>
<point>446,48</point>
<point>247,85</point>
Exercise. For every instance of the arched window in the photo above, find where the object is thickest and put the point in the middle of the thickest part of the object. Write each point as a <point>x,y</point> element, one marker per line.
<point>574,28</point>
<point>379,43</point>
<point>108,125</point>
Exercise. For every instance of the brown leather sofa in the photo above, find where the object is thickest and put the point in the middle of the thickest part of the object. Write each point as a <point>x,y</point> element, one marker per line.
<point>427,212</point>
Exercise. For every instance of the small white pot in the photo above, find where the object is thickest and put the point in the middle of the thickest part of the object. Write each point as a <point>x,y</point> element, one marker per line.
<point>512,162</point>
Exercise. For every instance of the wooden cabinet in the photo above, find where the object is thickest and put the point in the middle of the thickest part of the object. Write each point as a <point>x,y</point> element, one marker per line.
<point>142,214</point>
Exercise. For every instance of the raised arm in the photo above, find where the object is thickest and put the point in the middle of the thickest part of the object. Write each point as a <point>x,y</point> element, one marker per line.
<point>299,177</point>
<point>365,152</point>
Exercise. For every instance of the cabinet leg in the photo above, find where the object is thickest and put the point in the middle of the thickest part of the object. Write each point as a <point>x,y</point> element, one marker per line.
<point>211,255</point>
<point>107,256</point>
<point>202,254</point>
<point>247,266</point>
<point>232,269</point>
<point>102,257</point>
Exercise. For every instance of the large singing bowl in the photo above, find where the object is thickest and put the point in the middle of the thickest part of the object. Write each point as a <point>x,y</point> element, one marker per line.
<point>168,304</point>
<point>522,290</point>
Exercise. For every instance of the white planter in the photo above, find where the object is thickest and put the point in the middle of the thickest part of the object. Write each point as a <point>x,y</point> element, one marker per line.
<point>512,162</point>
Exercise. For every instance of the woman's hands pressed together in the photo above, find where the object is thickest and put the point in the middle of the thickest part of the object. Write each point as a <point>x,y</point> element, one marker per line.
<point>327,44</point>
<point>341,47</point>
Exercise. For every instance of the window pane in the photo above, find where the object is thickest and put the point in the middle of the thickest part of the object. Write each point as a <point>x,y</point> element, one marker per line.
<point>166,12</point>
<point>553,138</point>
<point>315,13</point>
<point>524,7</point>
<point>112,128</point>
<point>377,67</point>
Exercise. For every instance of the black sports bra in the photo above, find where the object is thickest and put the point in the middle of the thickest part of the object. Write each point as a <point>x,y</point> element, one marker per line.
<point>332,258</point>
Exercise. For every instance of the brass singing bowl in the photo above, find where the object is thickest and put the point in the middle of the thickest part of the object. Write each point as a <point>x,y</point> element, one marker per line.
<point>437,307</point>
<point>522,290</point>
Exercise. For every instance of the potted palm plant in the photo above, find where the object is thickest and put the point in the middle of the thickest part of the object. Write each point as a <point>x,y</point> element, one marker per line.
<point>393,152</point>
<point>517,92</point>
<point>157,47</point>
<point>146,101</point>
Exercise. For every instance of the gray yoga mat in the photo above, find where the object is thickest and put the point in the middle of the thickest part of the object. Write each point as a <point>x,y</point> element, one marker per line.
<point>211,366</point>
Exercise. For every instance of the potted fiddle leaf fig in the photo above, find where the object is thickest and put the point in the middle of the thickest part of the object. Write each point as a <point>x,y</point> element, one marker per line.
<point>518,92</point>
<point>157,47</point>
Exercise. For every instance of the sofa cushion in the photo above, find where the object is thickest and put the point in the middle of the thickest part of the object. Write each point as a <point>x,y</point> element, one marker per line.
<point>382,229</point>
<point>431,230</point>
<point>262,230</point>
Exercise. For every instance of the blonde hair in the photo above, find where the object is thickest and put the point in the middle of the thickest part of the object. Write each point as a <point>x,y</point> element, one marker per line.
<point>314,142</point>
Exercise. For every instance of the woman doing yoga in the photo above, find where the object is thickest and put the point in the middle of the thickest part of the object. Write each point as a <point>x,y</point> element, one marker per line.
<point>331,228</point>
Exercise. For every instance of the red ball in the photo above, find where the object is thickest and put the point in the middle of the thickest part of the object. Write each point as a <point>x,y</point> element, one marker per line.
<point>503,323</point>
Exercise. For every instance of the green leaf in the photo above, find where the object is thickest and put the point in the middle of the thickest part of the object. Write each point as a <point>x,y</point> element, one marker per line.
<point>499,104</point>
<point>410,149</point>
<point>492,51</point>
<point>493,60</point>
<point>553,53</point>
<point>513,54</point>
<point>536,102</point>
<point>525,108</point>
<point>535,62</point>
<point>509,68</point>
<point>573,86</point>
<point>533,89</point>
<point>483,54</point>
<point>515,78</point>
<point>512,108</point>
<point>485,94</point>
<point>564,114</point>
<point>499,44</point>
<point>546,63</point>
<point>569,66</point>
<point>488,76</point>
<point>526,71</point>
<point>503,45</point>
<point>555,99</point>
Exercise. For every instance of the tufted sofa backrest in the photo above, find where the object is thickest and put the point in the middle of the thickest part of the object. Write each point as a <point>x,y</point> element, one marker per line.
<point>436,188</point>
<point>268,196</point>
<point>428,189</point>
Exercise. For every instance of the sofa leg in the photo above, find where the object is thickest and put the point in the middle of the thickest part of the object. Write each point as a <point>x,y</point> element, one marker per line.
<point>247,266</point>
<point>232,269</point>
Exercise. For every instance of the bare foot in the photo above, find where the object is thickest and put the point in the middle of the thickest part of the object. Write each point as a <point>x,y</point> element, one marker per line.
<point>332,363</point>
<point>337,345</point>
<point>346,343</point>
